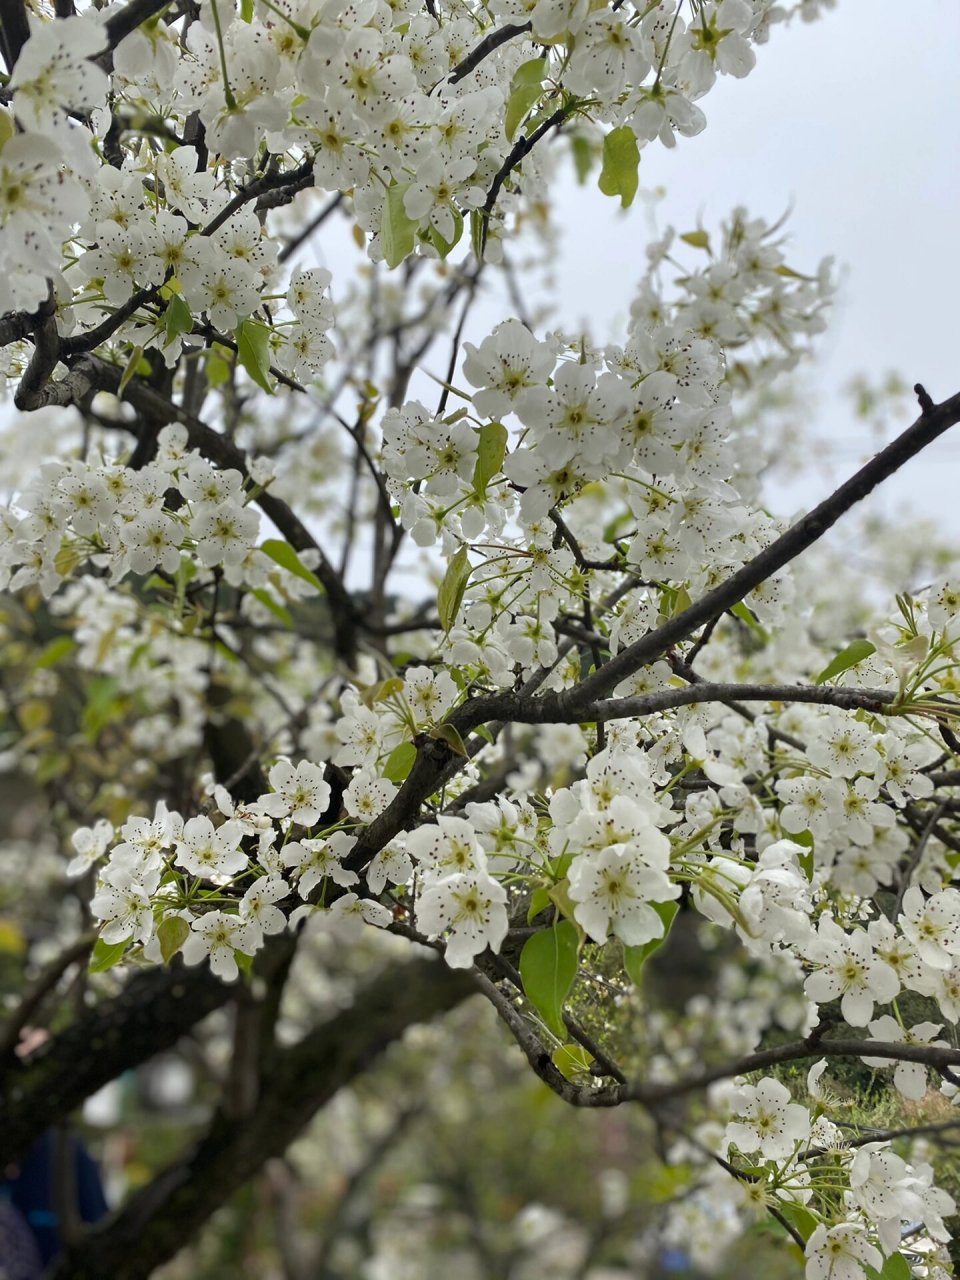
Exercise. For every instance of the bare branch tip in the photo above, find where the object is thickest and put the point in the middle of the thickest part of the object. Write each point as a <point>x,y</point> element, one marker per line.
<point>924,397</point>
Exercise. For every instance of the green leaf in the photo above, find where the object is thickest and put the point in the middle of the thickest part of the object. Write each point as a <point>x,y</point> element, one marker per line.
<point>136,355</point>
<point>572,1060</point>
<point>478,233</point>
<point>172,933</point>
<point>896,1267</point>
<point>217,366</point>
<point>398,231</point>
<point>539,901</point>
<point>443,247</point>
<point>491,447</point>
<point>279,612</point>
<point>102,705</point>
<point>621,163</point>
<point>548,966</point>
<point>54,652</point>
<point>246,10</point>
<point>634,958</point>
<point>784,270</point>
<point>798,1217</point>
<point>253,352</point>
<point>855,652</point>
<point>746,616</point>
<point>400,762</point>
<point>284,555</point>
<point>699,239</point>
<point>583,153</point>
<point>525,89</point>
<point>106,955</point>
<point>454,584</point>
<point>449,734</point>
<point>375,693</point>
<point>177,319</point>
<point>805,860</point>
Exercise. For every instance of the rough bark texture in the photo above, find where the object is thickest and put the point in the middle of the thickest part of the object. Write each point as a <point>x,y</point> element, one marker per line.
<point>155,1224</point>
<point>151,1014</point>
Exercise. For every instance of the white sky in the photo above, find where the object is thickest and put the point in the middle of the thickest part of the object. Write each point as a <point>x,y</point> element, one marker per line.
<point>853,122</point>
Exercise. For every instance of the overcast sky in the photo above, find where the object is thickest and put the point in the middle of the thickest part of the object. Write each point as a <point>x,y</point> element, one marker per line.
<point>853,122</point>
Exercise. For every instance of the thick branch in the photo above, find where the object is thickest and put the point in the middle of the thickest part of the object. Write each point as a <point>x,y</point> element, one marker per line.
<point>557,709</point>
<point>152,1012</point>
<point>155,1223</point>
<point>940,1058</point>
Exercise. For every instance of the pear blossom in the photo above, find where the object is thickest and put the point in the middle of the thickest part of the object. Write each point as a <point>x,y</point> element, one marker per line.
<point>932,925</point>
<point>219,936</point>
<point>204,850</point>
<point>312,861</point>
<point>840,1252</point>
<point>257,906</point>
<point>300,793</point>
<point>469,909</point>
<point>909,1078</point>
<point>848,968</point>
<point>770,1123</point>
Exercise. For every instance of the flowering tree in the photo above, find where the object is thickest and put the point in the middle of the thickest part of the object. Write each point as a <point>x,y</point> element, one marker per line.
<point>521,669</point>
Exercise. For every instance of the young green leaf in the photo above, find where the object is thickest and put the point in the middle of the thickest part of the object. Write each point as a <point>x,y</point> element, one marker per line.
<point>746,616</point>
<point>132,366</point>
<point>799,1217</point>
<point>539,901</point>
<point>253,352</point>
<point>583,156</point>
<point>217,366</point>
<point>454,584</point>
<point>855,652</point>
<point>896,1267</point>
<point>398,231</point>
<point>399,762</point>
<point>450,734</point>
<point>54,652</point>
<point>634,958</point>
<point>272,606</point>
<point>106,955</point>
<point>621,163</point>
<point>491,447</point>
<point>525,89</point>
<point>284,555</point>
<point>572,1060</point>
<point>443,247</point>
<point>478,233</point>
<point>177,319</point>
<point>548,966</point>
<point>172,933</point>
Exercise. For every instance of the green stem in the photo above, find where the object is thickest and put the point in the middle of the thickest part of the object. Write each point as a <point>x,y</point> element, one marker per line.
<point>228,97</point>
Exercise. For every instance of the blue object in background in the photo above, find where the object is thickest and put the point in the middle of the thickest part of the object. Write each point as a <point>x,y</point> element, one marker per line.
<point>33,1191</point>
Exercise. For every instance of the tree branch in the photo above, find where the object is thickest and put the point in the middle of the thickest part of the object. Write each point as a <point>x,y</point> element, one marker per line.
<point>150,1014</point>
<point>156,1222</point>
<point>217,448</point>
<point>564,709</point>
<point>487,46</point>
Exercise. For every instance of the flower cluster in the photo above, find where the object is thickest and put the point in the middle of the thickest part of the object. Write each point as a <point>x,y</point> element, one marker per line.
<point>175,516</point>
